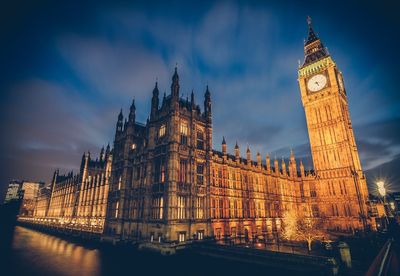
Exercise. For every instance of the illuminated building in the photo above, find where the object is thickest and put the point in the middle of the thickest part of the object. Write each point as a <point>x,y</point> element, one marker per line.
<point>28,192</point>
<point>78,200</point>
<point>12,190</point>
<point>168,184</point>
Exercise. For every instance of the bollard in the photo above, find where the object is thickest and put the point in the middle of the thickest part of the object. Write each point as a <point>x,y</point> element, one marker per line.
<point>345,255</point>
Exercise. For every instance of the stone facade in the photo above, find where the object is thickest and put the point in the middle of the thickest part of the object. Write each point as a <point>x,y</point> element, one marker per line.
<point>77,201</point>
<point>167,184</point>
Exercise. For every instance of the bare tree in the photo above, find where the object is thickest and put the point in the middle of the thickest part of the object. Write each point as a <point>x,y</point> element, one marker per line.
<point>301,228</point>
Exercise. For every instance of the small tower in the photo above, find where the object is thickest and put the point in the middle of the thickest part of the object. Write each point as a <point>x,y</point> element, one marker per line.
<point>276,166</point>
<point>192,103</point>
<point>119,123</point>
<point>207,104</point>
<point>248,155</point>
<point>154,101</point>
<point>302,173</point>
<point>132,113</point>
<point>102,154</point>
<point>175,85</point>
<point>258,160</point>
<point>284,167</point>
<point>292,165</point>
<point>223,145</point>
<point>268,164</point>
<point>237,153</point>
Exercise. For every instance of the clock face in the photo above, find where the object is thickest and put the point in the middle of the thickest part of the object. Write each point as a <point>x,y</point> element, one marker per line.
<point>316,83</point>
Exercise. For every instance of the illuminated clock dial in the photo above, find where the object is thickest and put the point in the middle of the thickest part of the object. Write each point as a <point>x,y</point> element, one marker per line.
<point>316,83</point>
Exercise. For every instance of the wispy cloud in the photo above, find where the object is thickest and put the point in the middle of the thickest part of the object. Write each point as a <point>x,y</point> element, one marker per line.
<point>246,53</point>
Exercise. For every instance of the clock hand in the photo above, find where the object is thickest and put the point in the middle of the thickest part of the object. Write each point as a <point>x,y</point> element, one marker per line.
<point>317,83</point>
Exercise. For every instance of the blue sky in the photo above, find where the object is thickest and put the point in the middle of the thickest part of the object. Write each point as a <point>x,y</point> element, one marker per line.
<point>67,69</point>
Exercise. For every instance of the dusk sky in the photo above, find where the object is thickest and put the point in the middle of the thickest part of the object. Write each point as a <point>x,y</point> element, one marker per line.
<point>67,69</point>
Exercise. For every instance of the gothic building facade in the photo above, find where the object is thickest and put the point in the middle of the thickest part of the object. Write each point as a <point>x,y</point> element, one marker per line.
<point>168,184</point>
<point>163,181</point>
<point>77,201</point>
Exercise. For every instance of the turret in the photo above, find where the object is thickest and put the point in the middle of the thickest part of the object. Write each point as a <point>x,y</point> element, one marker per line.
<point>259,160</point>
<point>175,85</point>
<point>84,164</point>
<point>108,149</point>
<point>132,113</point>
<point>154,102</point>
<point>268,163</point>
<point>237,153</point>
<point>276,166</point>
<point>292,165</point>
<point>207,104</point>
<point>119,123</point>
<point>102,154</point>
<point>223,145</point>
<point>192,103</point>
<point>248,155</point>
<point>284,167</point>
<point>302,173</point>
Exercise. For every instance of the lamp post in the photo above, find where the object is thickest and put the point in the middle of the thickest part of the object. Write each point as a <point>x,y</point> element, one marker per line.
<point>381,188</point>
<point>382,192</point>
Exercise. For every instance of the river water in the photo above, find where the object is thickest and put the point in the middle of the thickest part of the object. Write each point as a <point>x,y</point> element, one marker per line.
<point>35,253</point>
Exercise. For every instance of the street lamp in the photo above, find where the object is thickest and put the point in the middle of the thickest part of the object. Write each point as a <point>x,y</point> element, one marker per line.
<point>381,188</point>
<point>382,192</point>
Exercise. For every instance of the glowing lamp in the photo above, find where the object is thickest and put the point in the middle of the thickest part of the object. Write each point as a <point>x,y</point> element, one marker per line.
<point>381,188</point>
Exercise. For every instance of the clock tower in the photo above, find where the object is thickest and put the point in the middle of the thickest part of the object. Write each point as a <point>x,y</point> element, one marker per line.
<point>333,147</point>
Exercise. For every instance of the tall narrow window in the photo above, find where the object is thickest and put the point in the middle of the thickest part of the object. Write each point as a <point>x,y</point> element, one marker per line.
<point>200,208</point>
<point>200,140</point>
<point>182,170</point>
<point>162,179</point>
<point>159,170</point>
<point>119,182</point>
<point>181,207</point>
<point>116,209</point>
<point>161,131</point>
<point>200,174</point>
<point>184,133</point>
<point>157,207</point>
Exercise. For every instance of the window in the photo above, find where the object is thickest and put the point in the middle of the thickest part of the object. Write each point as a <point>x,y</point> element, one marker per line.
<point>184,133</point>
<point>159,170</point>
<point>157,207</point>
<point>181,236</point>
<point>116,209</point>
<point>200,234</point>
<point>133,146</point>
<point>161,131</point>
<point>200,140</point>
<point>200,208</point>
<point>213,211</point>
<point>181,207</point>
<point>200,174</point>
<point>162,173</point>
<point>182,170</point>
<point>119,183</point>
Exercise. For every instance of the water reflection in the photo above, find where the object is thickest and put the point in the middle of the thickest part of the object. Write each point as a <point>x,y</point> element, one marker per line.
<point>54,256</point>
<point>35,253</point>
